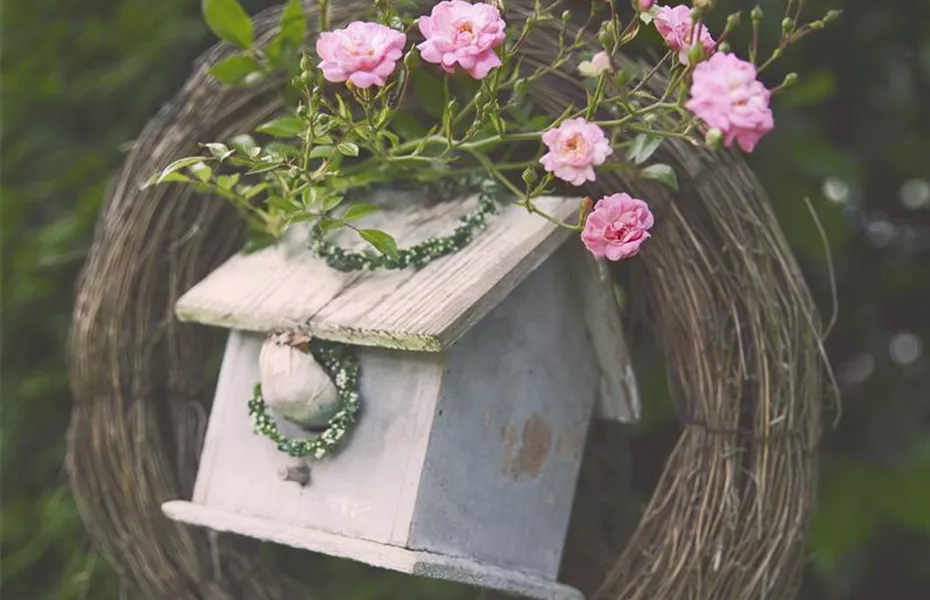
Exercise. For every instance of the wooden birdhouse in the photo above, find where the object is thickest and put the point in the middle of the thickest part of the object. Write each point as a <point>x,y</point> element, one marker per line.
<point>479,374</point>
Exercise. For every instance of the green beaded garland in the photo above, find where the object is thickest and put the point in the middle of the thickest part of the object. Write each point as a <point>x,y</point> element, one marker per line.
<point>341,364</point>
<point>490,194</point>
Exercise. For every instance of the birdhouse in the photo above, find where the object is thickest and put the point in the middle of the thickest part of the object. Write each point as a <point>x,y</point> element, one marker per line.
<point>478,376</point>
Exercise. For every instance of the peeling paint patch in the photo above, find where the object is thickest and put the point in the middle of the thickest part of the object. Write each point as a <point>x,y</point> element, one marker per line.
<point>535,443</point>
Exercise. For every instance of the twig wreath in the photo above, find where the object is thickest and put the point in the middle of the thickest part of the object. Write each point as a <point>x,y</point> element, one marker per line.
<point>686,545</point>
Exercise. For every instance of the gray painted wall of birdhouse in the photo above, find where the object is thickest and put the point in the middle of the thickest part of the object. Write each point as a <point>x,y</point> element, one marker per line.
<point>504,452</point>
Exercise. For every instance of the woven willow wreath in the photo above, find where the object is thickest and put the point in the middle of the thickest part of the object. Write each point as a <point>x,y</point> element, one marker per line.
<point>725,300</point>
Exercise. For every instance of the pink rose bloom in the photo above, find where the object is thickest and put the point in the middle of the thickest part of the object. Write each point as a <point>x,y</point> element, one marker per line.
<point>617,227</point>
<point>463,34</point>
<point>726,95</point>
<point>674,24</point>
<point>599,63</point>
<point>646,4</point>
<point>363,53</point>
<point>575,148</point>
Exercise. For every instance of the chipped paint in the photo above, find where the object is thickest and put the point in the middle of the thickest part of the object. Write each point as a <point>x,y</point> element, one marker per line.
<point>535,443</point>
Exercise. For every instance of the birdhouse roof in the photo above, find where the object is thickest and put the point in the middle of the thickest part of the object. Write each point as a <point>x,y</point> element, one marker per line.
<point>286,286</point>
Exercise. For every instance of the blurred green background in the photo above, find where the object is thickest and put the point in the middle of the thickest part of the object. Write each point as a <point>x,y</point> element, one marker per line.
<point>81,77</point>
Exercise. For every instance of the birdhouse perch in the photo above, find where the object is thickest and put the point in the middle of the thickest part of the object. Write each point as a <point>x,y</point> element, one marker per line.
<point>479,374</point>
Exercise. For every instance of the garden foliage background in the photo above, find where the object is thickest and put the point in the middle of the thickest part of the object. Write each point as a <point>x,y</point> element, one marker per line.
<point>81,77</point>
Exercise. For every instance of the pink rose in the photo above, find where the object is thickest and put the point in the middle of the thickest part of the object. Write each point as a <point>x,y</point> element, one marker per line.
<point>674,24</point>
<point>363,53</point>
<point>575,148</point>
<point>599,63</point>
<point>645,5</point>
<point>617,227</point>
<point>726,95</point>
<point>463,34</point>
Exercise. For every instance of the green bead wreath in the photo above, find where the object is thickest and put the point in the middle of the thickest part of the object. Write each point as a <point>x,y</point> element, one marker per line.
<point>341,364</point>
<point>490,194</point>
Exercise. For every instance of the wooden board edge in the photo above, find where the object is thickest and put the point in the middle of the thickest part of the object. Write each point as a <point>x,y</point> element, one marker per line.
<point>619,398</point>
<point>459,569</point>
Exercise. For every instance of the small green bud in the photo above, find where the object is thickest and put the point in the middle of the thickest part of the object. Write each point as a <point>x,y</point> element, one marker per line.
<point>790,80</point>
<point>723,46</point>
<point>756,14</point>
<point>817,25</point>
<point>703,5</point>
<point>787,25</point>
<point>521,87</point>
<point>696,54</point>
<point>529,176</point>
<point>734,19</point>
<point>306,78</point>
<point>305,64</point>
<point>714,138</point>
<point>776,53</point>
<point>301,110</point>
<point>296,81</point>
<point>607,35</point>
<point>566,16</point>
<point>832,15</point>
<point>696,14</point>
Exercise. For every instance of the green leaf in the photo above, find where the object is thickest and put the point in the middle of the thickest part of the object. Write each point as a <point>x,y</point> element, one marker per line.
<point>332,201</point>
<point>219,151</point>
<point>359,210</point>
<point>281,150</point>
<point>642,147</point>
<point>382,242</point>
<point>428,90</point>
<point>227,181</point>
<point>293,26</point>
<point>293,23</point>
<point>342,109</point>
<point>234,69</point>
<point>283,127</point>
<point>348,149</point>
<point>250,191</point>
<point>177,166</point>
<point>201,171</point>
<point>228,20</point>
<point>264,168</point>
<point>392,138</point>
<point>258,240</point>
<point>327,224</point>
<point>281,203</point>
<point>661,173</point>
<point>245,144</point>
<point>170,177</point>
<point>321,151</point>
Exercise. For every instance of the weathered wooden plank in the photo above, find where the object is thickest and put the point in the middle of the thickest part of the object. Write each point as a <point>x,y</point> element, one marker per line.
<point>426,564</point>
<point>426,309</point>
<point>619,398</point>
